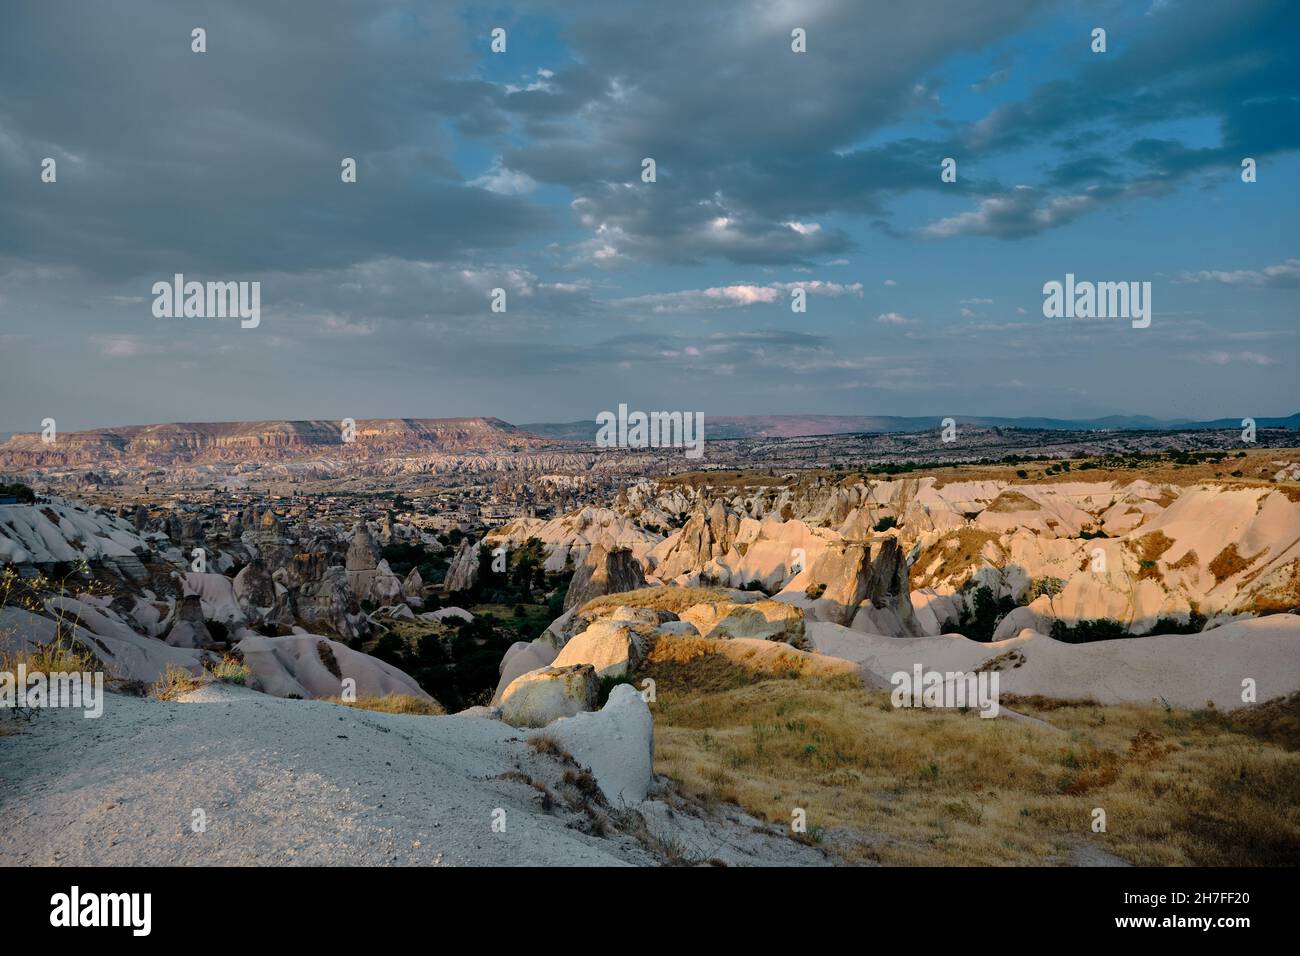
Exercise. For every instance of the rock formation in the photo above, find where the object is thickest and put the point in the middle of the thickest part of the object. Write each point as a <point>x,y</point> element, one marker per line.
<point>463,571</point>
<point>541,696</point>
<point>606,572</point>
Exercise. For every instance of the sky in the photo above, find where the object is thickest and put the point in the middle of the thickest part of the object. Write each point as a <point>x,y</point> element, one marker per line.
<point>521,170</point>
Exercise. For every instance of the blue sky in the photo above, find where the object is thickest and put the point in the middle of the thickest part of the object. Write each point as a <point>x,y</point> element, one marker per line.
<point>521,171</point>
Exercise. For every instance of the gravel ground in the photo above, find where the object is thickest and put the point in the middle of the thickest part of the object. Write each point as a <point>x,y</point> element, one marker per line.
<point>311,783</point>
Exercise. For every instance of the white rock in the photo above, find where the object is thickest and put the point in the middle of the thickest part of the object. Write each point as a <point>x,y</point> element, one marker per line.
<point>615,743</point>
<point>541,696</point>
<point>522,657</point>
<point>610,646</point>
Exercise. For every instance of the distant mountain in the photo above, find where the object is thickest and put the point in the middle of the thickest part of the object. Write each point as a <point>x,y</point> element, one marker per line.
<point>800,426</point>
<point>212,442</point>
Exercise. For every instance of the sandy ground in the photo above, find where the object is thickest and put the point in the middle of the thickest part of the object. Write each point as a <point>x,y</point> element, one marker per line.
<point>306,782</point>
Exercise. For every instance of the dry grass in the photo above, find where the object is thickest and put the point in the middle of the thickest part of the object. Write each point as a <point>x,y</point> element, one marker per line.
<point>672,599</point>
<point>914,787</point>
<point>174,682</point>
<point>1149,549</point>
<point>1012,501</point>
<point>1228,563</point>
<point>1281,597</point>
<point>62,655</point>
<point>393,704</point>
<point>965,557</point>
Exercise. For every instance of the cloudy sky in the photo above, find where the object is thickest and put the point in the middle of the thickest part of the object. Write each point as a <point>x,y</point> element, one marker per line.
<point>522,171</point>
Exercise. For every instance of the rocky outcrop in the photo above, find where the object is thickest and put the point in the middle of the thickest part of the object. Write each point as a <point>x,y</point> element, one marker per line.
<point>463,571</point>
<point>413,588</point>
<point>707,535</point>
<point>121,651</point>
<point>189,629</point>
<point>541,696</point>
<point>766,620</point>
<point>867,583</point>
<point>385,586</point>
<point>312,666</point>
<point>261,599</point>
<point>615,743</point>
<point>613,648</point>
<point>606,572</point>
<point>331,605</point>
<point>362,559</point>
<point>522,657</point>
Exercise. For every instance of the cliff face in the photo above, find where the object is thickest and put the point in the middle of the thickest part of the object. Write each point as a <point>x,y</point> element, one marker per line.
<point>211,442</point>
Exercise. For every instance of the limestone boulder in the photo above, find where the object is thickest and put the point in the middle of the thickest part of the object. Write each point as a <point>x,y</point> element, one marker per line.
<point>522,657</point>
<point>612,647</point>
<point>539,697</point>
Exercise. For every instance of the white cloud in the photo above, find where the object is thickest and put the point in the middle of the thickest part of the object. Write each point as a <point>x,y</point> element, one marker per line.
<point>1285,274</point>
<point>505,182</point>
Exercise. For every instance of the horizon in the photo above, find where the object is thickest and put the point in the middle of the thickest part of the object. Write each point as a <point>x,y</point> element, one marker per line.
<point>1172,423</point>
<point>775,171</point>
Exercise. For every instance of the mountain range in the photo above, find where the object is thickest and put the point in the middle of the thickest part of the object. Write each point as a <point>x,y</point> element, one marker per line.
<point>265,441</point>
<point>800,426</point>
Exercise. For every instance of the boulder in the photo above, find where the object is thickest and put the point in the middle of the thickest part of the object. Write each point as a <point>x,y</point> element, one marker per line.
<point>613,648</point>
<point>413,588</point>
<point>615,743</point>
<point>385,586</point>
<point>540,696</point>
<point>854,573</point>
<point>522,657</point>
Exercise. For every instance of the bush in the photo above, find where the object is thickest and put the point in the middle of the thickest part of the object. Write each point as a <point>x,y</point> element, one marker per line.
<point>885,523</point>
<point>232,671</point>
<point>174,682</point>
<point>22,492</point>
<point>814,591</point>
<point>1085,632</point>
<point>1046,585</point>
<point>979,623</point>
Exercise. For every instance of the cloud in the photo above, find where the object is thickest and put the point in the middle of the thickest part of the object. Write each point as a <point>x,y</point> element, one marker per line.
<point>506,182</point>
<point>893,318</point>
<point>1230,358</point>
<point>1025,211</point>
<point>1284,275</point>
<point>996,78</point>
<point>734,296</point>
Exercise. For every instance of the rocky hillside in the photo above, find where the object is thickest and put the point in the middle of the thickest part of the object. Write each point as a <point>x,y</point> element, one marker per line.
<point>215,442</point>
